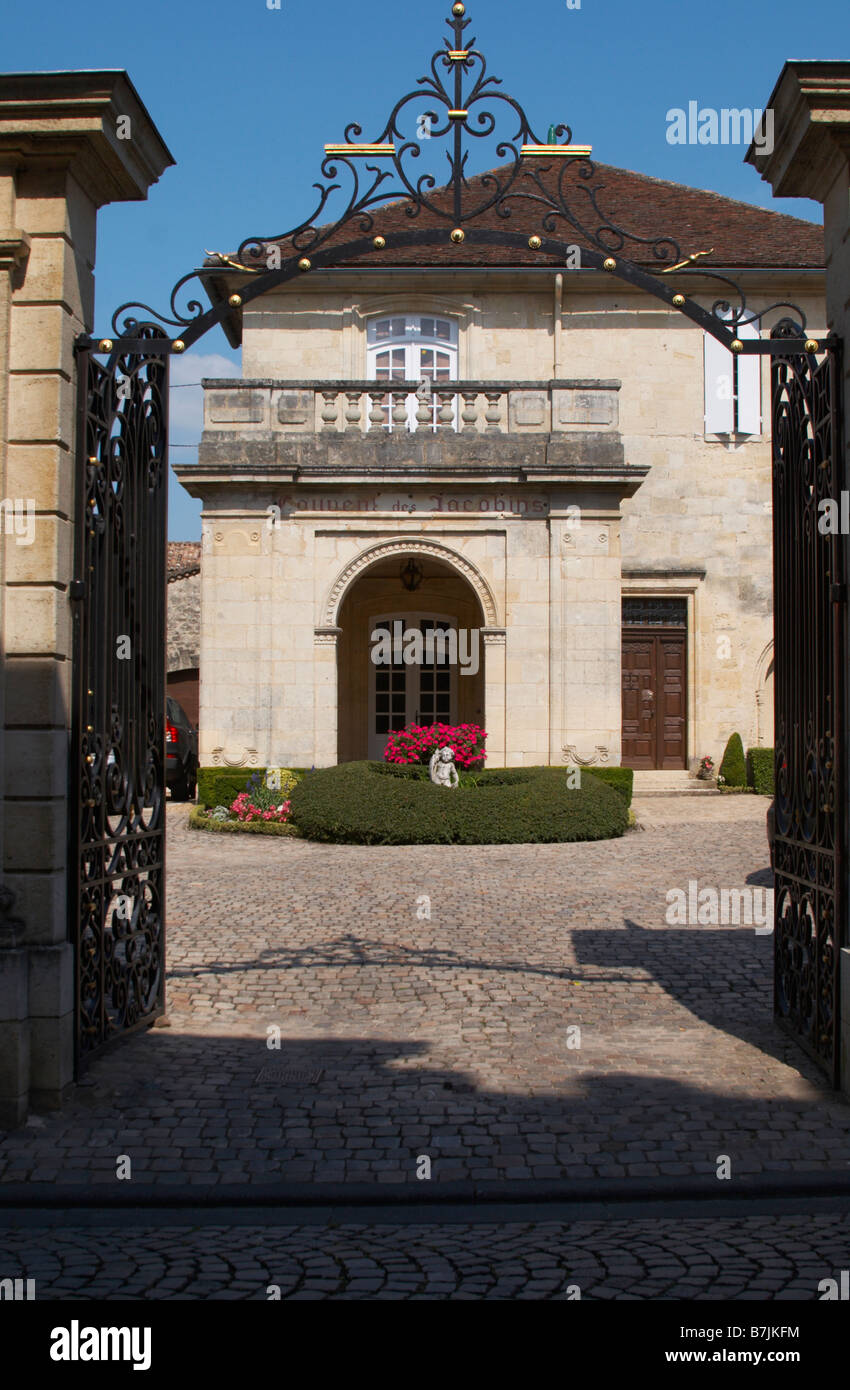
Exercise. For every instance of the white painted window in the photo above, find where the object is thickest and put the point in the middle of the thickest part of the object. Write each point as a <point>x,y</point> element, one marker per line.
<point>411,347</point>
<point>732,387</point>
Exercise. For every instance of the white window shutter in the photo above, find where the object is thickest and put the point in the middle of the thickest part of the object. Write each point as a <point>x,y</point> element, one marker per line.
<point>719,388</point>
<point>749,385</point>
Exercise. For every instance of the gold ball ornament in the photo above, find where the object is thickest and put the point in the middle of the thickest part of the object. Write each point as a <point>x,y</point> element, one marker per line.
<point>812,345</point>
<point>534,243</point>
<point>305,264</point>
<point>736,345</point>
<point>458,235</point>
<point>458,9</point>
<point>105,345</point>
<point>678,301</point>
<point>379,243</point>
<point>178,345</point>
<point>609,263</point>
<point>234,301</point>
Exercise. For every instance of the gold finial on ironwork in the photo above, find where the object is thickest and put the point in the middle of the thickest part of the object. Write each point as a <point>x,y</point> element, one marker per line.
<point>458,10</point>
<point>534,243</point>
<point>234,301</point>
<point>689,260</point>
<point>736,345</point>
<point>305,264</point>
<point>105,345</point>
<point>678,301</point>
<point>379,243</point>
<point>812,345</point>
<point>458,235</point>
<point>236,265</point>
<point>178,345</point>
<point>609,263</point>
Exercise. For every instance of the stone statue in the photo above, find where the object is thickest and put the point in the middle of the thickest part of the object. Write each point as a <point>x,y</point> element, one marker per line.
<point>442,768</point>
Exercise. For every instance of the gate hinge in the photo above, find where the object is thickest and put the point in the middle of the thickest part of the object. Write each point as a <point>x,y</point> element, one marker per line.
<point>77,589</point>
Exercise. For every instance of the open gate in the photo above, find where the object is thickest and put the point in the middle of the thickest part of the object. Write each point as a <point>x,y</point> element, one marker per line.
<point>117,777</point>
<point>809,664</point>
<point>117,911</point>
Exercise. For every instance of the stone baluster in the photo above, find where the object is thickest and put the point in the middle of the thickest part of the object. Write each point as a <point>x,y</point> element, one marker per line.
<point>352,411</point>
<point>469,413</point>
<point>423,412</point>
<point>399,414</point>
<point>493,412</point>
<point>446,413</point>
<point>329,411</point>
<point>377,418</point>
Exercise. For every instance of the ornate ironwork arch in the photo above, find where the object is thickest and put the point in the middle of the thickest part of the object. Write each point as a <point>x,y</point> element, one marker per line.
<point>455,97</point>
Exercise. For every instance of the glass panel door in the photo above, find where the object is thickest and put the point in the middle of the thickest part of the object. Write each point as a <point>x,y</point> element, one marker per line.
<point>422,692</point>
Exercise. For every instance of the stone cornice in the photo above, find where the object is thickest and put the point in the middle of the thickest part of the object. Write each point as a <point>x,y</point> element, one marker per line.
<point>14,249</point>
<point>69,120</point>
<point>811,105</point>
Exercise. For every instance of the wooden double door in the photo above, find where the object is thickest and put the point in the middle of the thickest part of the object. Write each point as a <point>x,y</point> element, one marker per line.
<point>654,700</point>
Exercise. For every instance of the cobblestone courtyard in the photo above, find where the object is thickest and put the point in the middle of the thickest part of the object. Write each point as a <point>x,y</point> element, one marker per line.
<point>405,1036</point>
<point>447,1038</point>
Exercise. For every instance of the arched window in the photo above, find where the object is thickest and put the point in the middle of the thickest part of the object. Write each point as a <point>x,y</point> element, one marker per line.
<point>411,347</point>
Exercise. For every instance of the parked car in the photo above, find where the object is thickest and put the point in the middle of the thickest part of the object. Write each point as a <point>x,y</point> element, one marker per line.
<point>181,752</point>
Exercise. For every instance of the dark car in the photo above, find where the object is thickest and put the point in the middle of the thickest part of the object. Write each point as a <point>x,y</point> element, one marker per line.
<point>181,752</point>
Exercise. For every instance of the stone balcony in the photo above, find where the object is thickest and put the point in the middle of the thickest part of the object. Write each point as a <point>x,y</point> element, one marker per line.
<point>356,407</point>
<point>510,431</point>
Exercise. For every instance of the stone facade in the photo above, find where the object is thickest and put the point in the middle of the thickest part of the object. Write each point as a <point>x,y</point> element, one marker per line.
<point>596,402</point>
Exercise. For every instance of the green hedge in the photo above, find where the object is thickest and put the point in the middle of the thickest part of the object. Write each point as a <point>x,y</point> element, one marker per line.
<point>733,768</point>
<point>220,786</point>
<point>622,779</point>
<point>364,803</point>
<point>198,821</point>
<point>760,770</point>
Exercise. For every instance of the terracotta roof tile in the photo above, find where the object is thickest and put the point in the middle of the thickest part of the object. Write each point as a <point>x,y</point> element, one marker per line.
<point>738,234</point>
<point>182,557</point>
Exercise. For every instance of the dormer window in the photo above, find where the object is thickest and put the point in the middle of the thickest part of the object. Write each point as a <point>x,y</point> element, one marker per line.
<point>411,347</point>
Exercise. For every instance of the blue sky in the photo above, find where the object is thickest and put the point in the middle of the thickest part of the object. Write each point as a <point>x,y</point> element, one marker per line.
<point>245,97</point>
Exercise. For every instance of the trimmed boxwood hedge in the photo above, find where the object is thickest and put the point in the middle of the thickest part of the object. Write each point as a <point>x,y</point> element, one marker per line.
<point>371,803</point>
<point>733,769</point>
<point>760,770</point>
<point>622,779</point>
<point>220,786</point>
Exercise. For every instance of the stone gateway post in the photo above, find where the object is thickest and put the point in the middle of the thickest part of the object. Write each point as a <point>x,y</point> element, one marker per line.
<point>70,142</point>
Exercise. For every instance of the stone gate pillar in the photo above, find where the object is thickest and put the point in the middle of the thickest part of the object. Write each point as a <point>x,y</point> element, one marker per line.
<point>70,142</point>
<point>811,159</point>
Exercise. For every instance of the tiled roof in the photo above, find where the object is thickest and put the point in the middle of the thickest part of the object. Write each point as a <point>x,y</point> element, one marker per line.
<point>738,234</point>
<point>182,558</point>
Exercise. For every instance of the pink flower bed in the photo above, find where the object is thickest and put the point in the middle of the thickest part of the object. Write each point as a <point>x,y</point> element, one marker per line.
<point>244,809</point>
<point>416,743</point>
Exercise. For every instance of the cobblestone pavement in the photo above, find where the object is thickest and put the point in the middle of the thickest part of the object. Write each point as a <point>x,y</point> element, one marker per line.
<point>405,1036</point>
<point>749,1259</point>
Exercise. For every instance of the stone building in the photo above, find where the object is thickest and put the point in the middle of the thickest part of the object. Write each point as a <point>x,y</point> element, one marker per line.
<point>583,481</point>
<point>183,656</point>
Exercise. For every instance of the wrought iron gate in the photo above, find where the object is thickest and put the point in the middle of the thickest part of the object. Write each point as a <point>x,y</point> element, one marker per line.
<point>117,778</point>
<point>117,793</point>
<point>808,683</point>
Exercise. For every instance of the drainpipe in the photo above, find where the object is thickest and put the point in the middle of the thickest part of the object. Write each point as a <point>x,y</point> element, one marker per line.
<point>557,312</point>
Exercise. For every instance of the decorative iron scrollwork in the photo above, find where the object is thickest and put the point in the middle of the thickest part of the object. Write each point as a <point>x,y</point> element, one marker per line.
<point>809,669</point>
<point>117,876</point>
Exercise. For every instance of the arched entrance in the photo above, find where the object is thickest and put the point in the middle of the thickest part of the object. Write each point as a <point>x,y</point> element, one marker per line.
<point>431,680</point>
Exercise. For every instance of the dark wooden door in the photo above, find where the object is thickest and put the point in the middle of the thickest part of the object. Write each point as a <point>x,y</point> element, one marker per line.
<point>654,699</point>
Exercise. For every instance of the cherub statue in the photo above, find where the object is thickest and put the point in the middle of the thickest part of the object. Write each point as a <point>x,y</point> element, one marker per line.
<point>442,768</point>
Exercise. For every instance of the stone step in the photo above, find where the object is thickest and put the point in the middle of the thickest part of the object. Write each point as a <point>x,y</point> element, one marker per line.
<point>663,782</point>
